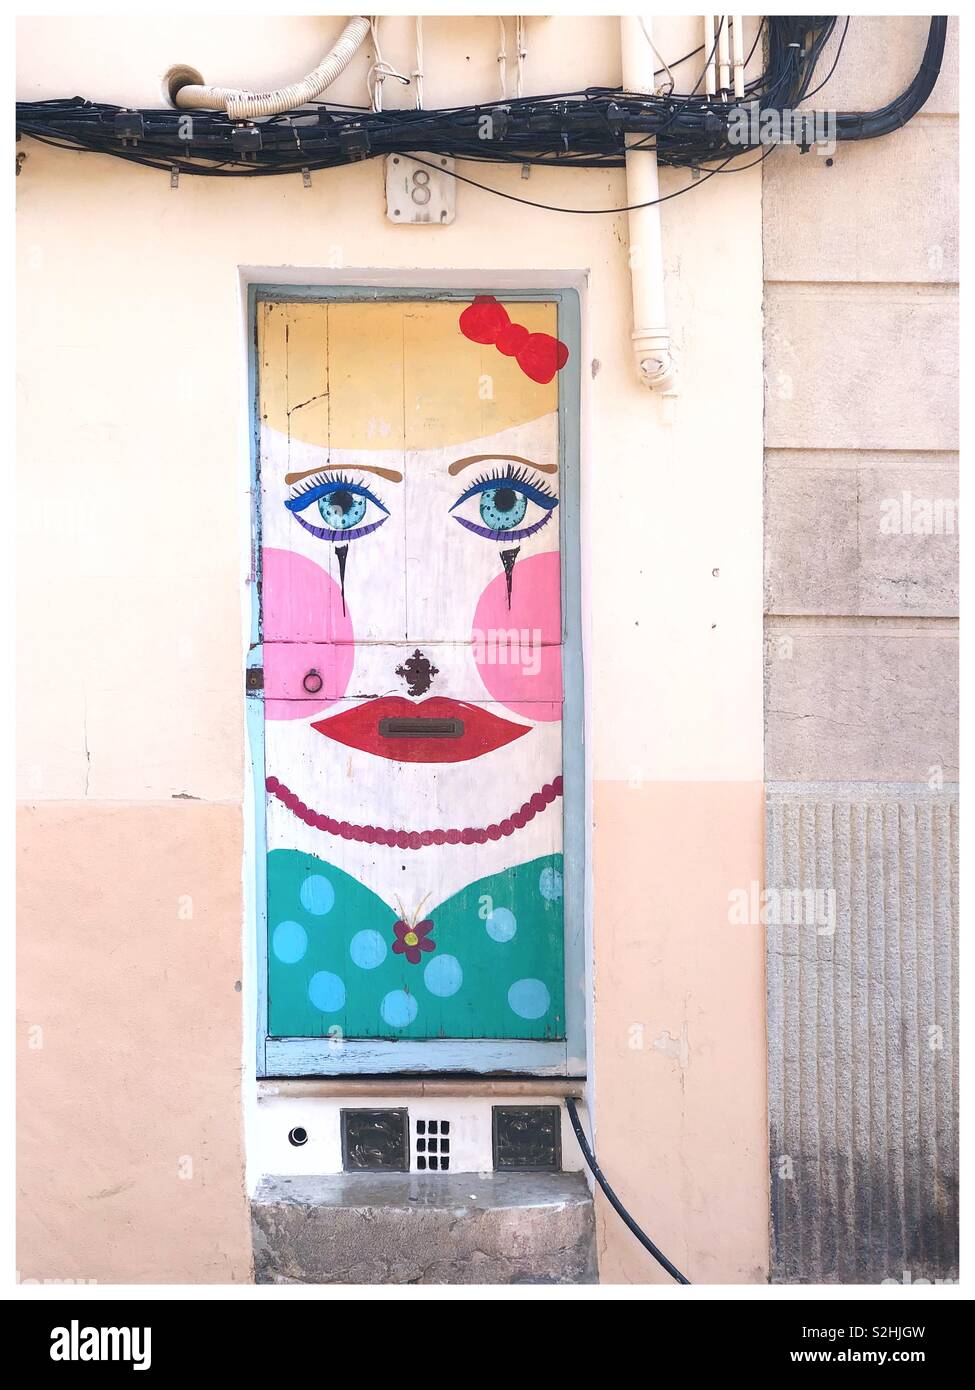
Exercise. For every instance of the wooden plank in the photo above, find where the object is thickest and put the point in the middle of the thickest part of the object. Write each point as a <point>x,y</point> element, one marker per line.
<point>519,665</point>
<point>323,1089</point>
<point>349,1056</point>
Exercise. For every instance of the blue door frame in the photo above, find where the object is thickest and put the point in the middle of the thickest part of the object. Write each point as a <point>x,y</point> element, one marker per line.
<point>336,1057</point>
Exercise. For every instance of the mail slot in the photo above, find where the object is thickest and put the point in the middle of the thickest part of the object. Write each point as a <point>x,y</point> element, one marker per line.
<point>421,728</point>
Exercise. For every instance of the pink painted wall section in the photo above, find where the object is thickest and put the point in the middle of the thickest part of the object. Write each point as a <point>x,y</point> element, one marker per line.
<point>680,1031</point>
<point>130,1143</point>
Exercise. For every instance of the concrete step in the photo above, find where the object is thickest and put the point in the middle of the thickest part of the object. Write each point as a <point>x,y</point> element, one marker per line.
<point>414,1228</point>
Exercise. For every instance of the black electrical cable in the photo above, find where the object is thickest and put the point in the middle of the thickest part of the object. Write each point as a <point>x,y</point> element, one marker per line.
<point>871,124</point>
<point>710,58</point>
<point>587,129</point>
<point>839,50</point>
<point>612,1198</point>
<point>740,168</point>
<point>582,212</point>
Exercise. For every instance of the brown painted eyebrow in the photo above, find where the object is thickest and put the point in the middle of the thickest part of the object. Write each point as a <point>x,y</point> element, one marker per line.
<point>390,474</point>
<point>460,464</point>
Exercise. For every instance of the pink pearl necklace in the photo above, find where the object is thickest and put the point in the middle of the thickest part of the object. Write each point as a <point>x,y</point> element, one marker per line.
<point>416,839</point>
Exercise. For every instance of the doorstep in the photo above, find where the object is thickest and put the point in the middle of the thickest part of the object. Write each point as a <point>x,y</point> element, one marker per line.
<point>414,1228</point>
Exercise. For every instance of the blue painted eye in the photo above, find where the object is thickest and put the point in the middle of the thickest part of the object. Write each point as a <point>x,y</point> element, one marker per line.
<point>503,499</point>
<point>341,503</point>
<point>342,510</point>
<point>503,508</point>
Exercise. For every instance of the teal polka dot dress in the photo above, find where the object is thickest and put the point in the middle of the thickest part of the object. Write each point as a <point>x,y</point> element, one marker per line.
<point>487,963</point>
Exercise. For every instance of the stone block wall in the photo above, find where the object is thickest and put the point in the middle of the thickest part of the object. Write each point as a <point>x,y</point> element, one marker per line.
<point>861,703</point>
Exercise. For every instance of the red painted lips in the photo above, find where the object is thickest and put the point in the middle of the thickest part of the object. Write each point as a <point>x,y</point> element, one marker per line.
<point>434,731</point>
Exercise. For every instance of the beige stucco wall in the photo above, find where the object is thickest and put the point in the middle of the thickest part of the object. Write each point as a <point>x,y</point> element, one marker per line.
<point>133,566</point>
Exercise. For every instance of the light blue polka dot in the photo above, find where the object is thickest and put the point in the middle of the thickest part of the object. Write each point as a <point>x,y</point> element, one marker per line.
<point>501,924</point>
<point>367,949</point>
<point>443,976</point>
<point>289,942</point>
<point>317,895</point>
<point>398,1008</point>
<point>550,884</point>
<point>326,991</point>
<point>529,998</point>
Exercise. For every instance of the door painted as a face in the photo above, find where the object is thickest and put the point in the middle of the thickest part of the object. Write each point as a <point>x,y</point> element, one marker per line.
<point>411,615</point>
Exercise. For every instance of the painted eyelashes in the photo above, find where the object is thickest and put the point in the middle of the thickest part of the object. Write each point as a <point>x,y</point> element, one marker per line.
<point>504,498</point>
<point>341,503</point>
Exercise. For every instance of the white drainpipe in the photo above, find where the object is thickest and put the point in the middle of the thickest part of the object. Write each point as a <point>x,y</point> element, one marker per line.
<point>651,339</point>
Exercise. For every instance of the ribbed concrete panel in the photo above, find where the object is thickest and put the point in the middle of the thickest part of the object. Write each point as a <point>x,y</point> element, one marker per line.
<point>862,949</point>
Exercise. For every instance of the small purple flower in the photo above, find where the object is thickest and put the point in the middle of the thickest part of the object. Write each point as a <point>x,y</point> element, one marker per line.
<point>412,941</point>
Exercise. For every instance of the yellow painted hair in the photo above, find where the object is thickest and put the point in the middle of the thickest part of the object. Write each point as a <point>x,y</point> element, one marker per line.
<point>395,375</point>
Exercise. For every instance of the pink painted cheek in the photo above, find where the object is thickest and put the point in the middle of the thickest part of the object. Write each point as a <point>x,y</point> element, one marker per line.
<point>300,601</point>
<point>518,650</point>
<point>307,637</point>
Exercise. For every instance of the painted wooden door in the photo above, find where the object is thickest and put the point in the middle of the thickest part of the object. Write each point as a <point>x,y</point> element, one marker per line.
<point>411,627</point>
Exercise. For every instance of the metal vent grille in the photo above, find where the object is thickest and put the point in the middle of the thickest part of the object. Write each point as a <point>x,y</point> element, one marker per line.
<point>431,1146</point>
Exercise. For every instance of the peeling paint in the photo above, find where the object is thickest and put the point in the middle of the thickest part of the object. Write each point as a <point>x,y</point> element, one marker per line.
<point>678,1048</point>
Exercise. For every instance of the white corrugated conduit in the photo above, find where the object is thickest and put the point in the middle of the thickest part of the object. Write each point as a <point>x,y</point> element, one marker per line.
<point>243,105</point>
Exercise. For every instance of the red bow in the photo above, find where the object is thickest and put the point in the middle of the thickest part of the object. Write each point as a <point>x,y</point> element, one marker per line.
<point>539,355</point>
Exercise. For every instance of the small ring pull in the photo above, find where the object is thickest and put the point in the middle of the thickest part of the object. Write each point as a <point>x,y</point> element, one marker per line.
<point>312,682</point>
